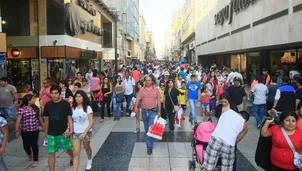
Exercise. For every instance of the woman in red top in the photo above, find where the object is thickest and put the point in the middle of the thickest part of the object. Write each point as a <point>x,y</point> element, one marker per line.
<point>282,156</point>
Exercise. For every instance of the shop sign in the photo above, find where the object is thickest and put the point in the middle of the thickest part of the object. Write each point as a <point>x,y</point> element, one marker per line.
<point>228,11</point>
<point>88,54</point>
<point>90,27</point>
<point>87,6</point>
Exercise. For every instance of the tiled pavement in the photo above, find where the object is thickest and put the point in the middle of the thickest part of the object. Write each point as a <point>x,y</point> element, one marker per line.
<point>116,148</point>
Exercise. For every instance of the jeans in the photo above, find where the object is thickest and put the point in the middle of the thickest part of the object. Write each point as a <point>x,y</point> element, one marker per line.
<point>171,115</point>
<point>192,110</point>
<point>9,112</point>
<point>117,109</point>
<point>128,101</point>
<point>258,112</point>
<point>148,118</point>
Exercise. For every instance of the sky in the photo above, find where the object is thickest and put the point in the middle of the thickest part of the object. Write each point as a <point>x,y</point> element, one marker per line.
<point>158,16</point>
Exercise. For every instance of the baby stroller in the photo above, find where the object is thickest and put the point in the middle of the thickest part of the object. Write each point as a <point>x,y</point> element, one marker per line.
<point>201,137</point>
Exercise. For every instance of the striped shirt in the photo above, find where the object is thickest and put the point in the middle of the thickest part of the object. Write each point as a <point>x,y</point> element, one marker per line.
<point>29,121</point>
<point>149,97</point>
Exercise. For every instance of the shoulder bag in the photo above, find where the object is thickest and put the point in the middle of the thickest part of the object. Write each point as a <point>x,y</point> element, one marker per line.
<point>176,108</point>
<point>297,156</point>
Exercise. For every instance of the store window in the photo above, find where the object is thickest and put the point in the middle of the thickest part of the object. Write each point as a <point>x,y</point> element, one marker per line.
<point>56,69</point>
<point>239,61</point>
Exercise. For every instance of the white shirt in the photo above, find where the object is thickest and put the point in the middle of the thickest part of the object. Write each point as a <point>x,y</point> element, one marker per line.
<point>260,91</point>
<point>80,119</point>
<point>129,84</point>
<point>229,126</point>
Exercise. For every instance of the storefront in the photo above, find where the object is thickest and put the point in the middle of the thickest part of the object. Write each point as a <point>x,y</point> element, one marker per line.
<point>241,33</point>
<point>64,62</point>
<point>23,67</point>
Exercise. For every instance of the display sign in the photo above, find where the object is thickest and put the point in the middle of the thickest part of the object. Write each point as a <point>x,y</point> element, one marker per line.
<point>88,54</point>
<point>87,7</point>
<point>90,27</point>
<point>228,11</point>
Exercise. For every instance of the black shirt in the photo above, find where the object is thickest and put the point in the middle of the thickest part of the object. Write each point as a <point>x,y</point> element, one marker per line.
<point>57,116</point>
<point>299,94</point>
<point>236,94</point>
<point>174,94</point>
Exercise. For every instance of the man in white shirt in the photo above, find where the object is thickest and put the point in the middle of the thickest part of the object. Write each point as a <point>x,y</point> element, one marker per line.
<point>260,91</point>
<point>129,84</point>
<point>230,130</point>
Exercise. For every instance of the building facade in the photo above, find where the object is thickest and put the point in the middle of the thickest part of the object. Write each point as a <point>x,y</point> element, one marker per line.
<point>142,39</point>
<point>167,48</point>
<point>150,48</point>
<point>53,38</point>
<point>176,34</point>
<point>251,35</point>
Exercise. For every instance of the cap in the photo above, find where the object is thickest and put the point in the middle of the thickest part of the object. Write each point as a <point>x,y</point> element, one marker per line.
<point>237,79</point>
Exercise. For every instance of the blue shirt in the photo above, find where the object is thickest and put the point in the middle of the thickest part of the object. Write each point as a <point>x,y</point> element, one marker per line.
<point>183,74</point>
<point>193,89</point>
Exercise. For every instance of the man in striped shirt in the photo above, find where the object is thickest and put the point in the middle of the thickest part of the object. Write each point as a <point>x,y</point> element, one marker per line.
<point>149,96</point>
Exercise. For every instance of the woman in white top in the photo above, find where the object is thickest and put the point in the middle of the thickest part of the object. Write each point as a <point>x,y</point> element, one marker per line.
<point>82,116</point>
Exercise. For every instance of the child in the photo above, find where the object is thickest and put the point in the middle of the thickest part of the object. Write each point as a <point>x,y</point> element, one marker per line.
<point>162,95</point>
<point>183,96</point>
<point>3,142</point>
<point>299,111</point>
<point>205,103</point>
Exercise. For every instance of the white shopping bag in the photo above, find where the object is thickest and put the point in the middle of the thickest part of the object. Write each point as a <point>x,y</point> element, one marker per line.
<point>157,129</point>
<point>179,115</point>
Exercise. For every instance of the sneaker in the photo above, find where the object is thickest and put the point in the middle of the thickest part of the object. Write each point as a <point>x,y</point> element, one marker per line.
<point>127,114</point>
<point>137,130</point>
<point>101,120</point>
<point>71,162</point>
<point>30,157</point>
<point>45,143</point>
<point>89,165</point>
<point>35,164</point>
<point>149,151</point>
<point>114,119</point>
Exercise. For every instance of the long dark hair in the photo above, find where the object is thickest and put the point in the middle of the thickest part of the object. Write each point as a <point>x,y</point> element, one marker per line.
<point>115,81</point>
<point>25,102</point>
<point>85,102</point>
<point>108,83</point>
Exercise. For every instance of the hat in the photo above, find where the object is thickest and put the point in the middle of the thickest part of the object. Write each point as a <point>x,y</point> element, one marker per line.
<point>237,79</point>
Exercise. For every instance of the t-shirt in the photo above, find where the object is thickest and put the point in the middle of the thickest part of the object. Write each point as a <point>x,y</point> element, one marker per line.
<point>182,96</point>
<point>3,122</point>
<point>80,119</point>
<point>299,124</point>
<point>260,91</point>
<point>45,98</point>
<point>299,94</point>
<point>281,154</point>
<point>218,110</point>
<point>272,89</point>
<point>193,89</point>
<point>57,114</point>
<point>7,96</point>
<point>173,94</point>
<point>183,74</point>
<point>236,94</point>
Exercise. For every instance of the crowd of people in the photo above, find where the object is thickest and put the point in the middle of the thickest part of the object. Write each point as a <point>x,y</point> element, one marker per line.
<point>64,110</point>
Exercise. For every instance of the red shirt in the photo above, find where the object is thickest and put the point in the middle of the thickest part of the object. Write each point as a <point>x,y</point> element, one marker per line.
<point>281,154</point>
<point>149,97</point>
<point>136,75</point>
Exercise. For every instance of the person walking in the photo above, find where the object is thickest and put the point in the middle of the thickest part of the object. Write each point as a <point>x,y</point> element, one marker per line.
<point>129,84</point>
<point>28,121</point>
<point>193,88</point>
<point>106,90</point>
<point>82,116</point>
<point>3,142</point>
<point>58,126</point>
<point>118,97</point>
<point>8,99</point>
<point>171,99</point>
<point>237,94</point>
<point>149,97</point>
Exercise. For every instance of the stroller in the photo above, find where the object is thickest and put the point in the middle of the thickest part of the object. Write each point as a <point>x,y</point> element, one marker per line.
<point>201,137</point>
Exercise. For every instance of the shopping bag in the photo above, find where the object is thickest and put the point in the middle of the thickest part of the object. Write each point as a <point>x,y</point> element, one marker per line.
<point>157,129</point>
<point>179,115</point>
<point>132,103</point>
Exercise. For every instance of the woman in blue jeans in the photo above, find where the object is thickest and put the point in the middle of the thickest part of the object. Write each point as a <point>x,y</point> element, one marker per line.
<point>149,96</point>
<point>118,97</point>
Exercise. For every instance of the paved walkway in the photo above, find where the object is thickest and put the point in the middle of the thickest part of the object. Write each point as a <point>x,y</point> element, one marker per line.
<point>116,148</point>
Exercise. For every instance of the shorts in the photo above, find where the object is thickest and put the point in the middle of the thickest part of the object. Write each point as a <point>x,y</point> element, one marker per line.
<point>184,107</point>
<point>204,106</point>
<point>76,136</point>
<point>218,148</point>
<point>58,142</point>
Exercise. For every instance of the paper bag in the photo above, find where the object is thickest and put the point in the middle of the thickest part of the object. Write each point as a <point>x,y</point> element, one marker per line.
<point>179,115</point>
<point>157,129</point>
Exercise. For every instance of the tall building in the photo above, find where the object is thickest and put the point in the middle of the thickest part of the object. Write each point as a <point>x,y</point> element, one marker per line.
<point>150,49</point>
<point>176,33</point>
<point>142,40</point>
<point>251,36</point>
<point>167,48</point>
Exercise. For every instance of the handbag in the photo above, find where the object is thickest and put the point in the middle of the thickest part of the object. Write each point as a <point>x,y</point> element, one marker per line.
<point>297,156</point>
<point>176,108</point>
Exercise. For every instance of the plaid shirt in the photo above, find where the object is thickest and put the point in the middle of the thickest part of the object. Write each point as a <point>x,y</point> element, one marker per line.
<point>29,121</point>
<point>3,122</point>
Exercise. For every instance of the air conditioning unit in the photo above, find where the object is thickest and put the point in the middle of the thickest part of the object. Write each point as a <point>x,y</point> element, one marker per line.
<point>192,45</point>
